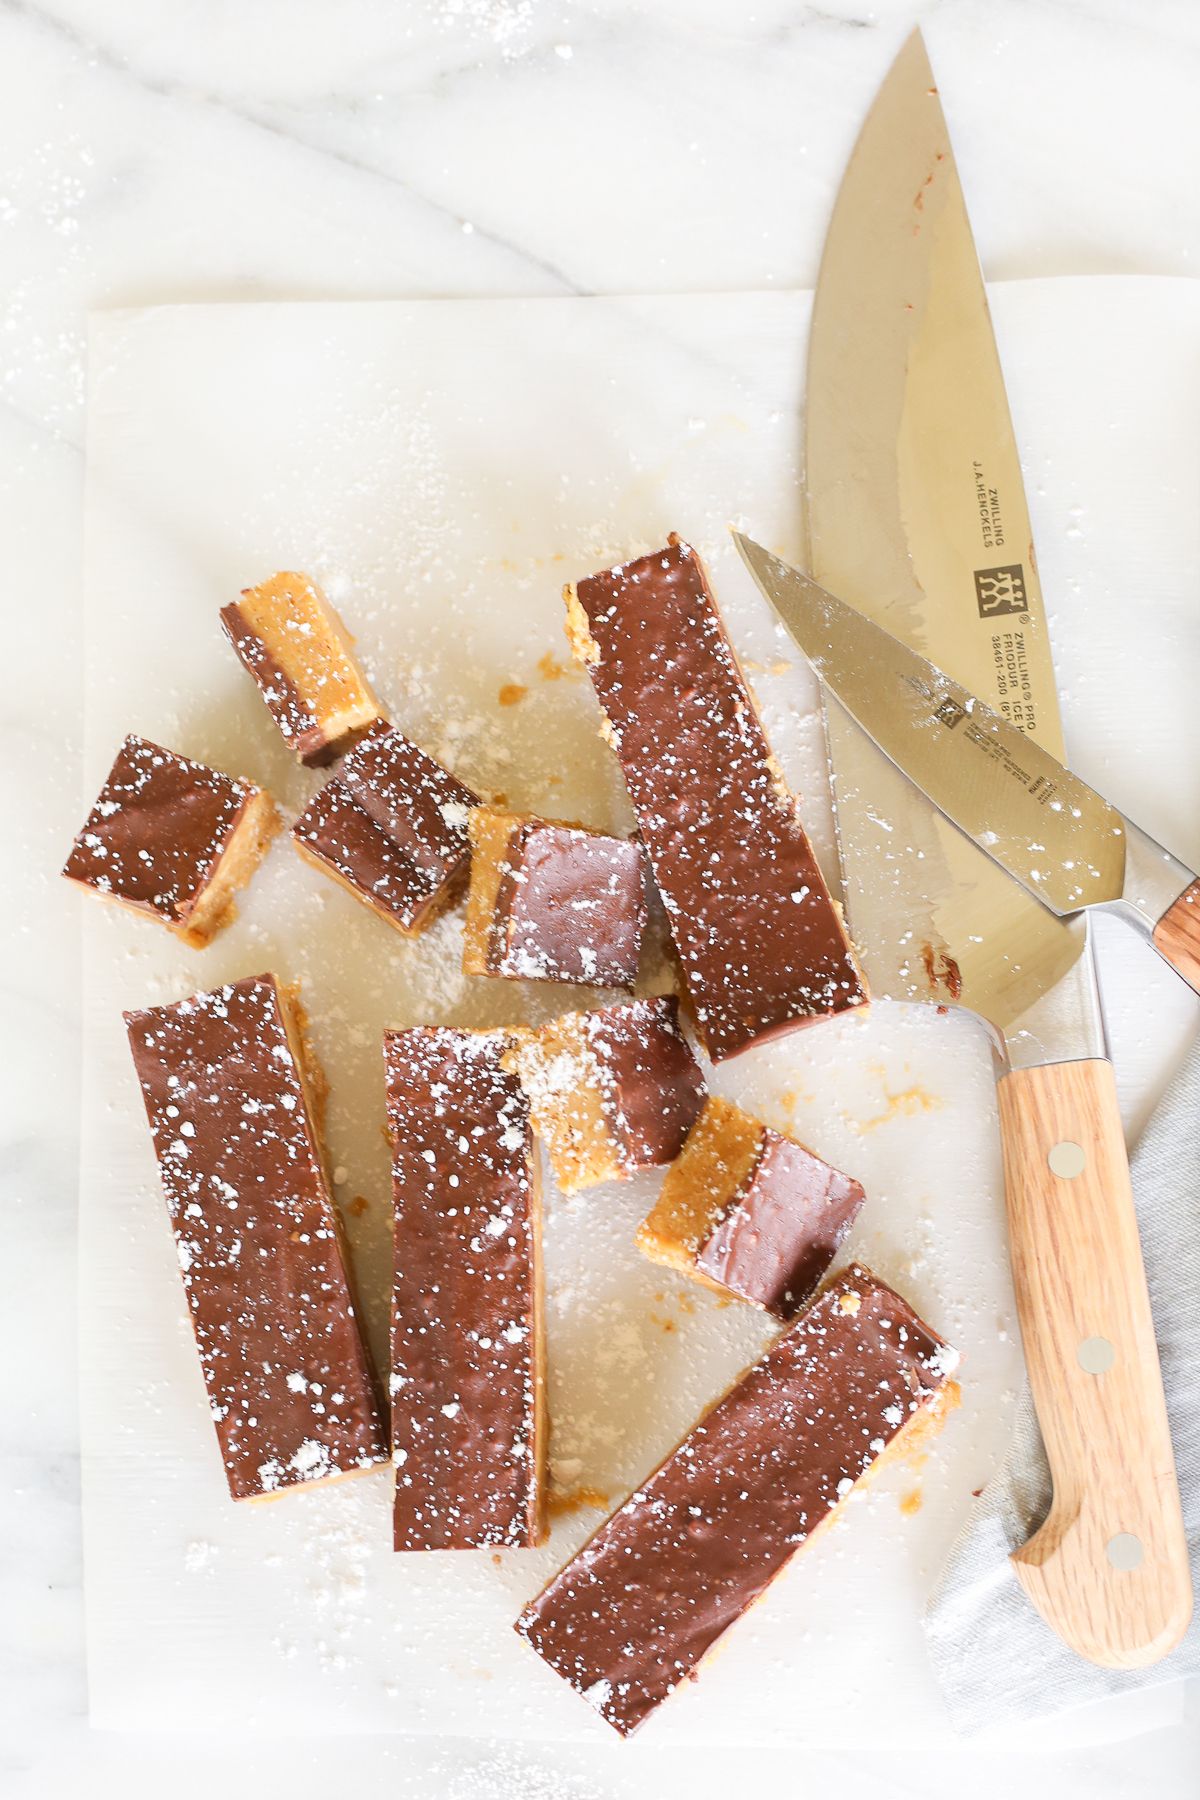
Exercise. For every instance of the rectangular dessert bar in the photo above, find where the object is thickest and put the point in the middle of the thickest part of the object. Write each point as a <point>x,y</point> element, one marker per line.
<point>553,902</point>
<point>230,1098</point>
<point>467,1386</point>
<point>610,1091</point>
<point>390,825</point>
<point>750,1211</point>
<point>172,839</point>
<point>290,639</point>
<point>761,944</point>
<point>651,1593</point>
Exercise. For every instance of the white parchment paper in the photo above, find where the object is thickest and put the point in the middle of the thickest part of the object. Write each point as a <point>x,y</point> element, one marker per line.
<point>442,467</point>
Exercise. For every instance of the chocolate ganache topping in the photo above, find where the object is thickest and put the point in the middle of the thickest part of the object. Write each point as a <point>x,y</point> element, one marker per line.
<point>392,823</point>
<point>290,1385</point>
<point>570,906</point>
<point>466,1309</point>
<point>762,946</point>
<point>782,1227</point>
<point>650,1594</point>
<point>157,830</point>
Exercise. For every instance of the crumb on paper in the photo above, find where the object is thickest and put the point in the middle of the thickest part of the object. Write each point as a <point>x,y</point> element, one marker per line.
<point>908,1103</point>
<point>561,1504</point>
<point>512,693</point>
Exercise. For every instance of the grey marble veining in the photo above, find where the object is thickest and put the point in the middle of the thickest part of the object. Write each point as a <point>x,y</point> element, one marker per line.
<point>154,152</point>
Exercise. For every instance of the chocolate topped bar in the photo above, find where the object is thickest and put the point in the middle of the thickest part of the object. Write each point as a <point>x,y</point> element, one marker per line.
<point>750,1211</point>
<point>229,1099</point>
<point>468,1425</point>
<point>610,1091</point>
<point>391,825</point>
<point>292,642</point>
<point>761,944</point>
<point>551,902</point>
<point>651,1593</point>
<point>172,839</point>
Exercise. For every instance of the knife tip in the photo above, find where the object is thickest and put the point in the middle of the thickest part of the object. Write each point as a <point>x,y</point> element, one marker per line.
<point>747,547</point>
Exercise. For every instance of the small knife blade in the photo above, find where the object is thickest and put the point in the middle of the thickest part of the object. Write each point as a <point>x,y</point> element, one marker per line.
<point>1044,825</point>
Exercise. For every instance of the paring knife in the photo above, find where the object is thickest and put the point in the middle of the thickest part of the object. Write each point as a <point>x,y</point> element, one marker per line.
<point>1051,831</point>
<point>916,513</point>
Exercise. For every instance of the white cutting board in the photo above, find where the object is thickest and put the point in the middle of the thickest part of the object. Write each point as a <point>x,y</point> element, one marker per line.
<point>443,467</point>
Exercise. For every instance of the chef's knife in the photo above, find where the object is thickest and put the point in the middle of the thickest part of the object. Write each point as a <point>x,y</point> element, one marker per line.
<point>1042,824</point>
<point>916,514</point>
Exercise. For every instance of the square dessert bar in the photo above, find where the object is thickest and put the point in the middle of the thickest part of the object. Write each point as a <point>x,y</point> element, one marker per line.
<point>173,839</point>
<point>610,1091</point>
<point>653,1591</point>
<point>301,656</point>
<point>762,946</point>
<point>468,1409</point>
<point>390,825</point>
<point>230,1095</point>
<point>750,1211</point>
<point>551,902</point>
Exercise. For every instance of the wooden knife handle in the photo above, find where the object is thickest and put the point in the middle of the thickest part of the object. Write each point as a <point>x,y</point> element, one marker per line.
<point>1108,1570</point>
<point>1177,935</point>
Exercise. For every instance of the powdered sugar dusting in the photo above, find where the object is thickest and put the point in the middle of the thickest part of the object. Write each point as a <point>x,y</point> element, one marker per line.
<point>158,829</point>
<point>293,1399</point>
<point>466,1354</point>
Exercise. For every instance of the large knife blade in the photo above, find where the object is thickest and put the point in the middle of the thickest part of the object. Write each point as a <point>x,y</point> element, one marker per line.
<point>916,514</point>
<point>1038,820</point>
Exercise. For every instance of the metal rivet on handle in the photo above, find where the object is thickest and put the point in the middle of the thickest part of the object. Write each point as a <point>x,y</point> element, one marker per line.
<point>1124,1551</point>
<point>1067,1160</point>
<point>1096,1355</point>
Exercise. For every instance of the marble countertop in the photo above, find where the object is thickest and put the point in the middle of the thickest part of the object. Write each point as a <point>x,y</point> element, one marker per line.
<point>286,148</point>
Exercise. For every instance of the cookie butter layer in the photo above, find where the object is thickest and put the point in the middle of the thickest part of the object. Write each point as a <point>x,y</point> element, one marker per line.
<point>468,1427</point>
<point>172,839</point>
<point>762,946</point>
<point>391,825</point>
<point>750,1211</point>
<point>651,1593</point>
<point>230,1105</point>
<point>301,656</point>
<point>553,902</point>
<point>610,1091</point>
